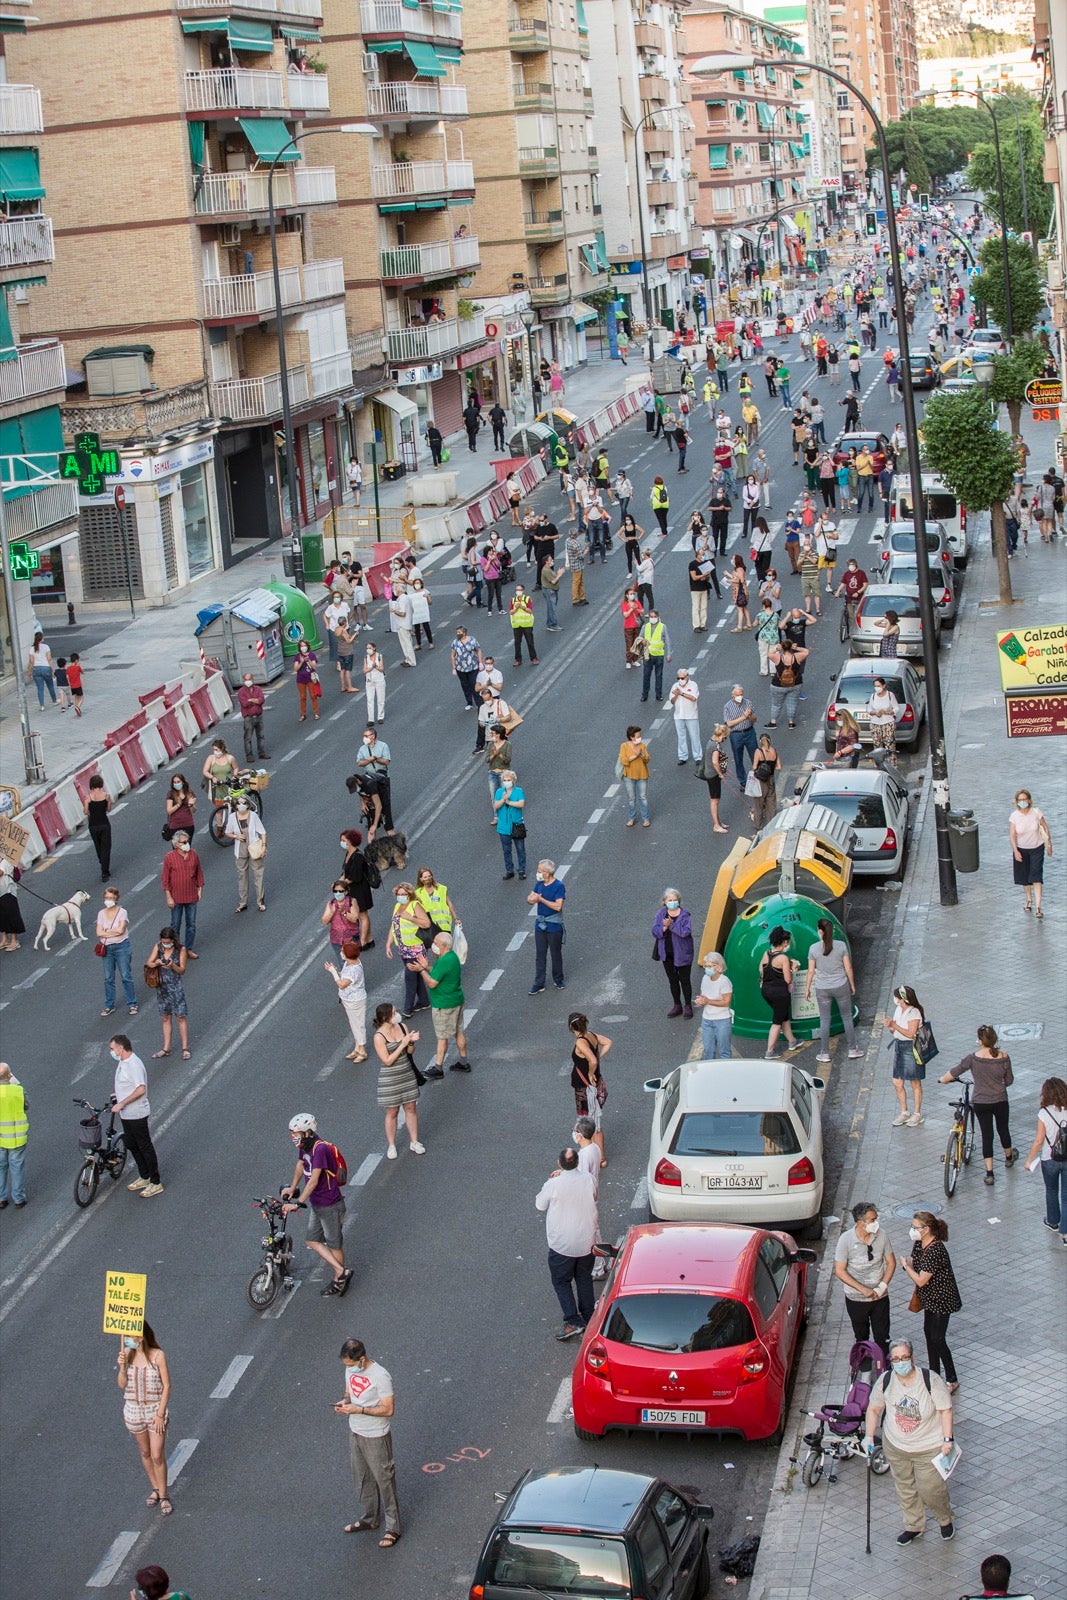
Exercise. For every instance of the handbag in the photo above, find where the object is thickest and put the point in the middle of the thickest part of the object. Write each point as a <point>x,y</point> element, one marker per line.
<point>619,774</point>
<point>151,976</point>
<point>753,787</point>
<point>420,1077</point>
<point>519,830</point>
<point>99,948</point>
<point>459,942</point>
<point>915,1303</point>
<point>655,951</point>
<point>257,847</point>
<point>924,1045</point>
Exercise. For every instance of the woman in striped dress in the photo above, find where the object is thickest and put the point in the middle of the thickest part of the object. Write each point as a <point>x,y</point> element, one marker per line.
<point>398,1084</point>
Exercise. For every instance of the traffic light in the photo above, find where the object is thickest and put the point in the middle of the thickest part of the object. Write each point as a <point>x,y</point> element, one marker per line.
<point>871,223</point>
<point>924,202</point>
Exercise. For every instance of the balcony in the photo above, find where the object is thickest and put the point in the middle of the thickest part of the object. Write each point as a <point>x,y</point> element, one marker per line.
<point>660,193</point>
<point>20,108</point>
<point>543,227</point>
<point>411,180</point>
<point>368,350</point>
<point>38,370</point>
<point>587,96</point>
<point>663,244</point>
<point>393,18</point>
<point>42,508</point>
<point>258,399</point>
<point>593,156</point>
<point>551,291</point>
<point>234,89</point>
<point>250,296</point>
<point>25,242</point>
<point>658,142</point>
<point>307,91</point>
<point>432,340</point>
<point>648,36</point>
<point>465,252</point>
<point>652,88</point>
<point>416,261</point>
<point>401,101</point>
<point>538,162</point>
<point>531,96</point>
<point>146,415</point>
<point>527,35</point>
<point>281,8</point>
<point>227,194</point>
<point>331,374</point>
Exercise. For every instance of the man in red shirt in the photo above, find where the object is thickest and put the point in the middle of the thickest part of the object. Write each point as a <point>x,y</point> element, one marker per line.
<point>724,459</point>
<point>183,884</point>
<point>250,699</point>
<point>853,585</point>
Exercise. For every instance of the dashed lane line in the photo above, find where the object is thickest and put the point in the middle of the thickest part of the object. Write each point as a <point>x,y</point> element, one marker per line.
<point>283,1302</point>
<point>290,755</point>
<point>365,1171</point>
<point>595,817</point>
<point>492,978</point>
<point>231,1377</point>
<point>579,844</point>
<point>640,1199</point>
<point>516,941</point>
<point>179,1457</point>
<point>114,1556</point>
<point>144,882</point>
<point>561,1405</point>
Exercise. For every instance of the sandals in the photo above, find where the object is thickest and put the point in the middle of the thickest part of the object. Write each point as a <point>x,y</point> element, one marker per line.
<point>165,1506</point>
<point>387,1541</point>
<point>108,1011</point>
<point>187,1055</point>
<point>161,1055</point>
<point>153,1498</point>
<point>361,1527</point>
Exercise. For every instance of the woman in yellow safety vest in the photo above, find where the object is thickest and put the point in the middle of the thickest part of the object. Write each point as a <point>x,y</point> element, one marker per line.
<point>436,901</point>
<point>661,502</point>
<point>408,924</point>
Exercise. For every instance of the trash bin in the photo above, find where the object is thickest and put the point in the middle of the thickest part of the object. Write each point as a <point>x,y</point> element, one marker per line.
<point>244,635</point>
<point>963,839</point>
<point>298,617</point>
<point>314,561</point>
<point>749,938</point>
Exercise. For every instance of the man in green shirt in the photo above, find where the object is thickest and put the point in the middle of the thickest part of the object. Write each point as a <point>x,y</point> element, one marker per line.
<point>445,983</point>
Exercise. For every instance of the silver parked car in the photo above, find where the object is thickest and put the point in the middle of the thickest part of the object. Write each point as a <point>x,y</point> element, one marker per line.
<point>902,568</point>
<point>854,687</point>
<point>874,803</point>
<point>866,637</point>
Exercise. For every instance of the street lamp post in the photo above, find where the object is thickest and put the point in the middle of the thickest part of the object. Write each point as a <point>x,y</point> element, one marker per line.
<point>296,549</point>
<point>644,122</point>
<point>708,66</point>
<point>529,317</point>
<point>1022,164</point>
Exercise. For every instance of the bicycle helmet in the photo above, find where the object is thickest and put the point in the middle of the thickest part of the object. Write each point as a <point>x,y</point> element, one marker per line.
<point>303,1122</point>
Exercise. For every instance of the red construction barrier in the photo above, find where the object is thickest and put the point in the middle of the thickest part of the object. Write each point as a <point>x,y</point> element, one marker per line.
<point>498,502</point>
<point>202,709</point>
<point>135,763</point>
<point>153,694</point>
<point>508,464</point>
<point>170,733</point>
<point>125,730</point>
<point>475,517</point>
<point>49,821</point>
<point>81,779</point>
<point>172,696</point>
<point>613,415</point>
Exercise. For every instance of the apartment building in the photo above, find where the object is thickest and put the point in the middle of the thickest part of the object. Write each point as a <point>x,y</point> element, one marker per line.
<point>40,512</point>
<point>1050,51</point>
<point>645,137</point>
<point>900,56</point>
<point>875,46</point>
<point>752,141</point>
<point>162,291</point>
<point>809,22</point>
<point>537,209</point>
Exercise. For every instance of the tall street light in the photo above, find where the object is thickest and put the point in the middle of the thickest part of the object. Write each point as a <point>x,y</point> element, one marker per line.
<point>644,122</point>
<point>528,317</point>
<point>976,94</point>
<point>709,66</point>
<point>296,549</point>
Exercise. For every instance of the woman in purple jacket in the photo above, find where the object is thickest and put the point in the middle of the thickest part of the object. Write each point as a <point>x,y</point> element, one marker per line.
<point>673,933</point>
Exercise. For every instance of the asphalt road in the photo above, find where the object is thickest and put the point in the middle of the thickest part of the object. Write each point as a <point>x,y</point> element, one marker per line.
<point>451,1290</point>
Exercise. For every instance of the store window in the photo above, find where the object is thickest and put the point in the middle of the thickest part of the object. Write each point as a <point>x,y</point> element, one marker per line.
<point>46,584</point>
<point>198,548</point>
<point>319,470</point>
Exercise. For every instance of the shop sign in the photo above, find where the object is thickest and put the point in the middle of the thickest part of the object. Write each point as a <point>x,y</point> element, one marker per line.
<point>413,375</point>
<point>1036,716</point>
<point>676,263</point>
<point>140,469</point>
<point>1032,658</point>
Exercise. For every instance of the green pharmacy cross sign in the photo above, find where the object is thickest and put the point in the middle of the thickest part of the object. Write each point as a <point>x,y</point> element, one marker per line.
<point>24,561</point>
<point>89,464</point>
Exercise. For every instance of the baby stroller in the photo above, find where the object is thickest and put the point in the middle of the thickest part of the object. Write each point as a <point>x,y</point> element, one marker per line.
<point>841,1428</point>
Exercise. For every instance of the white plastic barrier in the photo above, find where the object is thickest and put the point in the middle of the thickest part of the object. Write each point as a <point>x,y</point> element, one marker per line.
<point>109,763</point>
<point>69,803</point>
<point>188,726</point>
<point>218,693</point>
<point>35,848</point>
<point>155,751</point>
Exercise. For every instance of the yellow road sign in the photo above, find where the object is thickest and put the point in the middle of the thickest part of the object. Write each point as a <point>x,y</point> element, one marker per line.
<point>1033,657</point>
<point>124,1302</point>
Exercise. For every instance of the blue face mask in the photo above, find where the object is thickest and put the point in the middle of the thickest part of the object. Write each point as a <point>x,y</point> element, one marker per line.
<point>902,1368</point>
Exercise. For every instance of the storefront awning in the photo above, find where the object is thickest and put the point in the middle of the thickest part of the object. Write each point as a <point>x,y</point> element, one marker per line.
<point>474,358</point>
<point>398,403</point>
<point>268,137</point>
<point>20,176</point>
<point>584,312</point>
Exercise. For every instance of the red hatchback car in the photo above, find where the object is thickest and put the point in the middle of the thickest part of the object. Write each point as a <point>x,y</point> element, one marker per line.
<point>697,1331</point>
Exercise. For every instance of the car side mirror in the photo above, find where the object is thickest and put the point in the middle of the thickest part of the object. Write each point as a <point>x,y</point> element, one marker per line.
<point>702,1509</point>
<point>499,1496</point>
<point>652,1084</point>
<point>815,1083</point>
<point>808,1257</point>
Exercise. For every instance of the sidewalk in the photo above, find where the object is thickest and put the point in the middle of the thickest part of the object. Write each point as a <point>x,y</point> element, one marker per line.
<point>982,961</point>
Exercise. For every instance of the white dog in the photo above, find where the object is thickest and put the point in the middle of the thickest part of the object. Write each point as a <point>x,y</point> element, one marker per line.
<point>69,913</point>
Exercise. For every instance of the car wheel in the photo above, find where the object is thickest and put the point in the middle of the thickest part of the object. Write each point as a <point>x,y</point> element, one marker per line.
<point>829,745</point>
<point>811,1231</point>
<point>584,1434</point>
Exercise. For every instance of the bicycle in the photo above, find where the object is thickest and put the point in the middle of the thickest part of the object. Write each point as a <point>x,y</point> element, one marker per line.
<point>245,785</point>
<point>845,627</point>
<point>100,1155</point>
<point>960,1145</point>
<point>274,1272</point>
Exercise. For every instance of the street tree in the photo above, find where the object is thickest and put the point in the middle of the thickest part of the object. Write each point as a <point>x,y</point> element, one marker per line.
<point>915,165</point>
<point>963,445</point>
<point>982,172</point>
<point>987,286</point>
<point>1011,374</point>
<point>946,135</point>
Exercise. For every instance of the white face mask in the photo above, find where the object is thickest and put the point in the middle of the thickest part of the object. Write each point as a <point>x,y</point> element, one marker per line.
<point>915,1233</point>
<point>111,904</point>
<point>872,1227</point>
<point>1024,805</point>
<point>115,1056</point>
<point>401,899</point>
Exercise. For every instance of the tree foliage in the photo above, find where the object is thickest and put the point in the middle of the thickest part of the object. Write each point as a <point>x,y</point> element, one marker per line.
<point>982,171</point>
<point>1011,374</point>
<point>987,286</point>
<point>945,135</point>
<point>963,446</point>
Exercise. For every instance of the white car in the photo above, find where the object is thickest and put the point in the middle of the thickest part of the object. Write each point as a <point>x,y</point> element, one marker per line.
<point>874,803</point>
<point>737,1141</point>
<point>985,341</point>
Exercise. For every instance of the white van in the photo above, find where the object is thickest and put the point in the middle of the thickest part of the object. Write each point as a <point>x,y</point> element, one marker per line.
<point>941,506</point>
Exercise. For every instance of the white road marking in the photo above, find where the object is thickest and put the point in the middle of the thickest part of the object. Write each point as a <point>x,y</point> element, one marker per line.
<point>283,1302</point>
<point>365,1170</point>
<point>338,713</point>
<point>144,882</point>
<point>116,1554</point>
<point>562,1403</point>
<point>290,755</point>
<point>611,791</point>
<point>640,1199</point>
<point>516,940</point>
<point>314,734</point>
<point>595,816</point>
<point>579,843</point>
<point>180,1455</point>
<point>561,872</point>
<point>231,1377</point>
<point>469,1016</point>
<point>491,979</point>
<point>28,983</point>
<point>326,1072</point>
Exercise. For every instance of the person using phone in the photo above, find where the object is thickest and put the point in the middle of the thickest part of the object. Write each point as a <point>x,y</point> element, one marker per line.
<point>154,1584</point>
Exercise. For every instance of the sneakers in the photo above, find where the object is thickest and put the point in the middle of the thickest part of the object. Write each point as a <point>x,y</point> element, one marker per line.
<point>916,1119</point>
<point>138,1183</point>
<point>151,1189</point>
<point>434,1072</point>
<point>1011,1157</point>
<point>569,1331</point>
<point>900,1120</point>
<point>822,1058</point>
<point>948,1531</point>
<point>675,1011</point>
<point>855,1055</point>
<point>460,1066</point>
<point>417,1149</point>
<point>908,1536</point>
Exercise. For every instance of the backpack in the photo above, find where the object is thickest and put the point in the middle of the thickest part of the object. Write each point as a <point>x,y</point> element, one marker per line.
<point>787,676</point>
<point>339,1169</point>
<point>1058,1146</point>
<point>923,1371</point>
<point>374,877</point>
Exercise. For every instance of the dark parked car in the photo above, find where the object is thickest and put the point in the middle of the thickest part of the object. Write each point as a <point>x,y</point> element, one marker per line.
<point>595,1534</point>
<point>925,372</point>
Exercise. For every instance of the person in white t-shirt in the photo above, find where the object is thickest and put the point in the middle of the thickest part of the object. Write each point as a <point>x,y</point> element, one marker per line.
<point>131,1105</point>
<point>1051,1119</point>
<point>683,701</point>
<point>336,612</point>
<point>716,1017</point>
<point>355,478</point>
<point>368,1404</point>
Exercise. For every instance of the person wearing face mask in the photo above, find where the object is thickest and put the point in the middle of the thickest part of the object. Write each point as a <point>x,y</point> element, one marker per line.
<point>352,993</point>
<point>183,884</point>
<point>113,943</point>
<point>509,803</point>
<point>180,802</point>
<point>250,698</point>
<point>249,837</point>
<point>654,643</point>
<point>917,1425</point>
<point>864,1262</point>
<point>444,980</point>
<point>930,1270</point>
<point>1030,838</point>
<point>549,933</point>
<point>168,961</point>
<point>398,1084</point>
<point>409,922</point>
<point>683,701</point>
<point>341,915</point>
<point>739,717</point>
<point>131,1106</point>
<point>317,1177</point>
<point>672,930</point>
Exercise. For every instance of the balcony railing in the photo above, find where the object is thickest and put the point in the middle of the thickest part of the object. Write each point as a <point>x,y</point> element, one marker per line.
<point>331,373</point>
<point>249,399</point>
<point>368,349</point>
<point>24,241</point>
<point>307,91</point>
<point>20,108</point>
<point>664,244</point>
<point>527,33</point>
<point>465,252</point>
<point>38,370</point>
<point>417,260</point>
<point>252,294</point>
<point>232,193</point>
<point>145,415</point>
<point>652,86</point>
<point>234,88</point>
<point>42,508</point>
<point>435,338</point>
<point>413,100</point>
<point>398,179</point>
<point>543,224</point>
<point>548,291</point>
<point>392,16</point>
<point>532,96</point>
<point>537,159</point>
<point>284,8</point>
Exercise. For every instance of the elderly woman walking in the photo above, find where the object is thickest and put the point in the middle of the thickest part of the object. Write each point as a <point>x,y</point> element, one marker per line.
<point>917,1426</point>
<point>352,992</point>
<point>673,933</point>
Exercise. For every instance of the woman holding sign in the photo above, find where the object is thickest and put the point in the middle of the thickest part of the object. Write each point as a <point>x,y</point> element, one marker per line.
<point>144,1379</point>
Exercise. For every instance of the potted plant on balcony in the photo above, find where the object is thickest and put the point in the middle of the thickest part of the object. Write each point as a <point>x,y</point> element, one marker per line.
<point>314,64</point>
<point>466,310</point>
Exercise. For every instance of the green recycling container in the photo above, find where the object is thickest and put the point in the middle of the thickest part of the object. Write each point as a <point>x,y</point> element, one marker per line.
<point>298,617</point>
<point>750,937</point>
<point>314,560</point>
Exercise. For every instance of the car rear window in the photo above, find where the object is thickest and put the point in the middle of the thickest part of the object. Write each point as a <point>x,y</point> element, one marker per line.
<point>735,1133</point>
<point>856,691</point>
<point>907,573</point>
<point>942,507</point>
<point>906,541</point>
<point>683,1322</point>
<point>858,810</point>
<point>567,1563</point>
<point>876,605</point>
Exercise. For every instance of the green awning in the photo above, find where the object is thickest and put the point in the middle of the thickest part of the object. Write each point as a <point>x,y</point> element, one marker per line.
<point>741,110</point>
<point>797,149</point>
<point>449,53</point>
<point>799,83</point>
<point>385,47</point>
<point>35,433</point>
<point>601,252</point>
<point>424,59</point>
<point>771,75</point>
<point>414,205</point>
<point>714,105</point>
<point>589,257</point>
<point>12,25</point>
<point>764,114</point>
<point>583,26</point>
<point>203,24</point>
<point>20,176</point>
<point>196,145</point>
<point>312,35</point>
<point>740,74</point>
<point>24,283</point>
<point>719,157</point>
<point>412,5</point>
<point>778,188</point>
<point>251,36</point>
<point>442,5</point>
<point>7,338</point>
<point>268,137</point>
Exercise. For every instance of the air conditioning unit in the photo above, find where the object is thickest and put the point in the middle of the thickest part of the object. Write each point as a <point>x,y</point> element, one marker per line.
<point>230,233</point>
<point>293,225</point>
<point>1053,269</point>
<point>369,65</point>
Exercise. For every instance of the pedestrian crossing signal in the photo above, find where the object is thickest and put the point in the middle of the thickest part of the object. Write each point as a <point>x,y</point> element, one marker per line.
<point>871,222</point>
<point>924,202</point>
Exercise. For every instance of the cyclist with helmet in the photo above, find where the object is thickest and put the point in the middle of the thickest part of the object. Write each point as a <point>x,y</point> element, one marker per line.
<point>322,1194</point>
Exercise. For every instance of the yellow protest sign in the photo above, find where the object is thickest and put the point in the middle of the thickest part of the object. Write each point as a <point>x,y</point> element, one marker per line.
<point>1033,657</point>
<point>124,1302</point>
